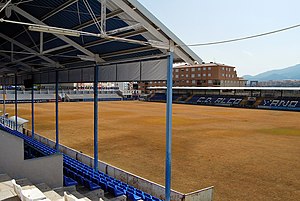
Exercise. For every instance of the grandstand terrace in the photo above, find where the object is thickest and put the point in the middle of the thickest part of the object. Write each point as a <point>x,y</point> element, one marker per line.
<point>58,42</point>
<point>274,98</point>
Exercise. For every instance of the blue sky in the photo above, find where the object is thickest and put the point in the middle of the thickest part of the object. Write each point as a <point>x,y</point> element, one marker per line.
<point>198,21</point>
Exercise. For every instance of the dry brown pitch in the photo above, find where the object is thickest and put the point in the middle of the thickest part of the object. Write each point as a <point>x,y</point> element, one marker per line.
<point>246,154</point>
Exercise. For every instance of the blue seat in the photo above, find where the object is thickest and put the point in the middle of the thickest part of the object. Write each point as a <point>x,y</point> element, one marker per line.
<point>90,185</point>
<point>69,182</point>
<point>148,199</point>
<point>141,194</point>
<point>72,174</point>
<point>103,184</point>
<point>79,179</point>
<point>132,196</point>
<point>110,187</point>
<point>77,172</point>
<point>147,196</point>
<point>118,191</point>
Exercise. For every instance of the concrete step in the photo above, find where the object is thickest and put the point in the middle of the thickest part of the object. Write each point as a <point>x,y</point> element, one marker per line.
<point>6,189</point>
<point>71,191</point>
<point>48,192</point>
<point>4,177</point>
<point>5,182</point>
<point>9,195</point>
<point>92,195</point>
<point>24,182</point>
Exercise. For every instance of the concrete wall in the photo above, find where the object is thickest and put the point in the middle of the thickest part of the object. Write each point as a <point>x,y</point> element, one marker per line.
<point>129,178</point>
<point>47,169</point>
<point>205,194</point>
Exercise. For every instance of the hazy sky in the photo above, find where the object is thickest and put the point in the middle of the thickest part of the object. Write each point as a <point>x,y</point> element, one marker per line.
<point>199,21</point>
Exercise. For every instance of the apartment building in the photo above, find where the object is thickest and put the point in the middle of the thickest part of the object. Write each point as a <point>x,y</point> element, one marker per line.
<point>202,75</point>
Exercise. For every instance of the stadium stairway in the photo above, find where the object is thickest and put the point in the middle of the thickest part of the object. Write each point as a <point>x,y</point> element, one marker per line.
<point>189,98</point>
<point>178,99</point>
<point>244,102</point>
<point>79,174</point>
<point>258,101</point>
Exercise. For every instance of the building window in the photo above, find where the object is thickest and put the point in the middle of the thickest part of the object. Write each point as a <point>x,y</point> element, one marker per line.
<point>177,70</point>
<point>193,69</point>
<point>199,68</point>
<point>182,69</point>
<point>193,75</point>
<point>204,75</point>
<point>176,76</point>
<point>209,75</point>
<point>199,75</point>
<point>182,75</point>
<point>226,69</point>
<point>229,69</point>
<point>187,81</point>
<point>204,68</point>
<point>186,69</point>
<point>223,75</point>
<point>209,68</point>
<point>194,81</point>
<point>223,68</point>
<point>186,75</point>
<point>209,82</point>
<point>150,82</point>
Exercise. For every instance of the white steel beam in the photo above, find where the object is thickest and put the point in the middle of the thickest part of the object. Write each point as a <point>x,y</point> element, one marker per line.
<point>103,16</point>
<point>62,37</point>
<point>24,47</point>
<point>60,8</point>
<point>132,13</point>
<point>83,26</point>
<point>22,59</point>
<point>5,5</point>
<point>183,52</point>
<point>26,66</point>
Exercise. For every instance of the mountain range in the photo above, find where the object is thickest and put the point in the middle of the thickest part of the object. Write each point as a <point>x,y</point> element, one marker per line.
<point>291,73</point>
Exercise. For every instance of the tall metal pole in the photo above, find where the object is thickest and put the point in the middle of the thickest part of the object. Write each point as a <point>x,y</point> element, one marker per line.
<point>169,128</point>
<point>96,78</point>
<point>4,97</point>
<point>16,101</point>
<point>32,111</point>
<point>56,113</point>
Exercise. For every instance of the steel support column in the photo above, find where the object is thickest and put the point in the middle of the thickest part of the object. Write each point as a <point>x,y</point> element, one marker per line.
<point>96,78</point>
<point>16,102</point>
<point>32,111</point>
<point>56,113</point>
<point>169,128</point>
<point>4,97</point>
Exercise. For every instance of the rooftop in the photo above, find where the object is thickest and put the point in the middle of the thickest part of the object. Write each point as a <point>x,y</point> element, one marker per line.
<point>204,65</point>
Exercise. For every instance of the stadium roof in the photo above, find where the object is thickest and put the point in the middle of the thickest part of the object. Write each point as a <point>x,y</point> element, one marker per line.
<point>40,36</point>
<point>232,88</point>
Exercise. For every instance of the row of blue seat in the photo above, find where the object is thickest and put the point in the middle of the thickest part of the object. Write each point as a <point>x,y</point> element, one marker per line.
<point>78,172</point>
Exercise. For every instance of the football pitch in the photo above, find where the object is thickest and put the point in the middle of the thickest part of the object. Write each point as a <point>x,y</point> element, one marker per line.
<point>246,154</point>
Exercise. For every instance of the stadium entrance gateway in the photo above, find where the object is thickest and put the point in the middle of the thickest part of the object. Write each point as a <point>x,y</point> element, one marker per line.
<point>114,40</point>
